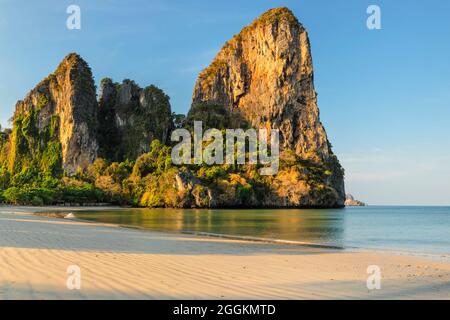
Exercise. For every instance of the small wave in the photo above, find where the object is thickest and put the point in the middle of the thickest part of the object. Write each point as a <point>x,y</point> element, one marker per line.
<point>266,240</point>
<point>73,216</point>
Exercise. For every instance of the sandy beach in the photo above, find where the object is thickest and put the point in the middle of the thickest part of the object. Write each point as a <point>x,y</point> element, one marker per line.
<point>121,263</point>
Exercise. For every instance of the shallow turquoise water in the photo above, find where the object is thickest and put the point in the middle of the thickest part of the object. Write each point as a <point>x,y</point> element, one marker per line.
<point>415,229</point>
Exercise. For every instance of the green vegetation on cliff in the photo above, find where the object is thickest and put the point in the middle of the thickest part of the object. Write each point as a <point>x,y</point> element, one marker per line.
<point>153,181</point>
<point>31,147</point>
<point>31,169</point>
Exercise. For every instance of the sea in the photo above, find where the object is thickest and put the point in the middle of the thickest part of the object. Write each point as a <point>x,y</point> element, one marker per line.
<point>413,229</point>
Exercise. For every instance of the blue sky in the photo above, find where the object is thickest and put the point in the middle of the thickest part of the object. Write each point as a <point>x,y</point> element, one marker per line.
<point>383,94</point>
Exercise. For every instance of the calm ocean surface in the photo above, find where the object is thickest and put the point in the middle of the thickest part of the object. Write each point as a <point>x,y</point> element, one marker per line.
<point>412,229</point>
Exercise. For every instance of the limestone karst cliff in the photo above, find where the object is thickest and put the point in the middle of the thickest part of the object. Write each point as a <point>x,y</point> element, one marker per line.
<point>67,146</point>
<point>130,118</point>
<point>60,127</point>
<point>265,75</point>
<point>54,127</point>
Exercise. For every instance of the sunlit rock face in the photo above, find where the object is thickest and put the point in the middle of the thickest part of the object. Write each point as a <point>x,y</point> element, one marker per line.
<point>265,75</point>
<point>55,125</point>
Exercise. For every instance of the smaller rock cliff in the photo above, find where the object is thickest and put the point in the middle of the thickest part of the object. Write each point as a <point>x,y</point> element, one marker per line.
<point>130,118</point>
<point>54,127</point>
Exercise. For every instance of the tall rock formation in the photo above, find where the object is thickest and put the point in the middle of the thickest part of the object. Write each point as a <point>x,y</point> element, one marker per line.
<point>54,127</point>
<point>265,75</point>
<point>60,127</point>
<point>130,118</point>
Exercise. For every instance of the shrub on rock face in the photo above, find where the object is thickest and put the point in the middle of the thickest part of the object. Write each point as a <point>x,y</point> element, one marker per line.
<point>5,178</point>
<point>157,160</point>
<point>214,116</point>
<point>37,201</point>
<point>212,173</point>
<point>14,195</point>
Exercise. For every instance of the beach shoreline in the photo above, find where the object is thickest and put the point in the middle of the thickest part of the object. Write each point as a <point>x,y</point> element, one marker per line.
<point>124,263</point>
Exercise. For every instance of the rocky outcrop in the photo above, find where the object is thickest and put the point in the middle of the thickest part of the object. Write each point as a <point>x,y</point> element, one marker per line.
<point>192,193</point>
<point>265,76</point>
<point>54,127</point>
<point>350,201</point>
<point>60,127</point>
<point>262,78</point>
<point>130,118</point>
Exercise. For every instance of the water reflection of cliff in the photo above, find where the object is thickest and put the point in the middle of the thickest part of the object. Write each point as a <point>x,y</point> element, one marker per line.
<point>322,226</point>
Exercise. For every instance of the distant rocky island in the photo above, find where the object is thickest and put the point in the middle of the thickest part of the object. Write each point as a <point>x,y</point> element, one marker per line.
<point>68,146</point>
<point>350,201</point>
